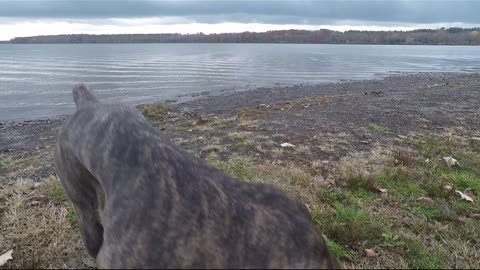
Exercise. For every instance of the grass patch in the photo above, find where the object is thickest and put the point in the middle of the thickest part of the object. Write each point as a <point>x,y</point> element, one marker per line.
<point>239,146</point>
<point>337,250</point>
<point>38,228</point>
<point>350,224</point>
<point>377,128</point>
<point>72,218</point>
<point>20,162</point>
<point>364,194</point>
<point>419,257</point>
<point>239,135</point>
<point>438,212</point>
<point>155,112</point>
<point>212,148</point>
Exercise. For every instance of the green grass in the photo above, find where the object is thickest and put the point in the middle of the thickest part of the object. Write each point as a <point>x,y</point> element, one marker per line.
<point>365,195</point>
<point>155,112</point>
<point>72,218</point>
<point>419,257</point>
<point>338,250</point>
<point>439,212</point>
<point>239,146</point>
<point>350,224</point>
<point>21,162</point>
<point>377,128</point>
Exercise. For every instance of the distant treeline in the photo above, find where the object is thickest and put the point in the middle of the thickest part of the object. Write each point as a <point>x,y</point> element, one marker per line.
<point>450,36</point>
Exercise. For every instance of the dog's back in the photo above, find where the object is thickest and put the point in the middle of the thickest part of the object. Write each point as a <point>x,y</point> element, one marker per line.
<point>144,203</point>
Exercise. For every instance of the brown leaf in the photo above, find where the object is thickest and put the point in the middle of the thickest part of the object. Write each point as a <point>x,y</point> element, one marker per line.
<point>475,216</point>
<point>425,200</point>
<point>370,252</point>
<point>332,182</point>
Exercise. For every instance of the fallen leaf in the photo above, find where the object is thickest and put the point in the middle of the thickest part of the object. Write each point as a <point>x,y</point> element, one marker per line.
<point>425,200</point>
<point>370,252</point>
<point>464,196</point>
<point>5,257</point>
<point>286,144</point>
<point>447,187</point>
<point>475,216</point>
<point>450,161</point>
<point>332,182</point>
<point>375,188</point>
<point>402,136</point>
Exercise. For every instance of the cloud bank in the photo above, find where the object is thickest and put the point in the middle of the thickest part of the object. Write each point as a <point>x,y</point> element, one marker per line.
<point>33,17</point>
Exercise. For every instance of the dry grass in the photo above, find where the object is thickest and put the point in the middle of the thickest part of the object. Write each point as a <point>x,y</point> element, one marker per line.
<point>39,224</point>
<point>341,188</point>
<point>212,148</point>
<point>155,112</point>
<point>239,135</point>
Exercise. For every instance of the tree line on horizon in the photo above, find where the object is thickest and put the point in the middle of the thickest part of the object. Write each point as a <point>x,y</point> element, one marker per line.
<point>443,36</point>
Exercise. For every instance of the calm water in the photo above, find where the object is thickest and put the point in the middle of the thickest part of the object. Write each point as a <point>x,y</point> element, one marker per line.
<point>36,80</point>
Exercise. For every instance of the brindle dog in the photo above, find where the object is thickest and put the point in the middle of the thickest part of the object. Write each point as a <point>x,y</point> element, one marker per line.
<point>143,202</point>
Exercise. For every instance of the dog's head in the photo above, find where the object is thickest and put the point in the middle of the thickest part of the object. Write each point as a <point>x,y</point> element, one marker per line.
<point>82,96</point>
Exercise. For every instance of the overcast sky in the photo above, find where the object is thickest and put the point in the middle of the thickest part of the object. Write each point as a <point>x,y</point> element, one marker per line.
<point>45,17</point>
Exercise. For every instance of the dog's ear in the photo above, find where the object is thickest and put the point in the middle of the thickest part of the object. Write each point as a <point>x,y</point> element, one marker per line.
<point>82,96</point>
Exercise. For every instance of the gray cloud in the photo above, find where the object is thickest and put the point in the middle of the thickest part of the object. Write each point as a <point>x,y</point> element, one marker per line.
<point>260,11</point>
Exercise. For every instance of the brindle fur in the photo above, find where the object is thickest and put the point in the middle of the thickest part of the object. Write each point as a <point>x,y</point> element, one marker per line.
<point>143,202</point>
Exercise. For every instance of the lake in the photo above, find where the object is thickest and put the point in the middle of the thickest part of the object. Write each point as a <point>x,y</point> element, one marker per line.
<point>36,80</point>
